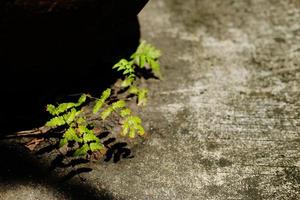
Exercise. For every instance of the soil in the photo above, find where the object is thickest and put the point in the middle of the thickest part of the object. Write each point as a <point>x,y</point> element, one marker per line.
<point>224,122</point>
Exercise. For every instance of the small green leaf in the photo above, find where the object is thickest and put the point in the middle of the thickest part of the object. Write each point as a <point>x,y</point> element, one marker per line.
<point>125,112</point>
<point>98,106</point>
<point>63,142</point>
<point>106,113</point>
<point>128,81</point>
<point>70,116</point>
<point>142,97</point>
<point>60,108</point>
<point>134,90</point>
<point>81,100</point>
<point>51,109</point>
<point>82,150</point>
<point>106,94</point>
<point>81,121</point>
<point>131,133</point>
<point>118,105</point>
<point>90,137</point>
<point>56,121</point>
<point>140,130</point>
<point>70,135</point>
<point>125,129</point>
<point>134,120</point>
<point>63,107</point>
<point>100,102</point>
<point>96,146</point>
<point>125,66</point>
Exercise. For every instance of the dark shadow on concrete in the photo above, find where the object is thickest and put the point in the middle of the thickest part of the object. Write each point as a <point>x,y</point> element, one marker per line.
<point>118,151</point>
<point>18,166</point>
<point>48,54</point>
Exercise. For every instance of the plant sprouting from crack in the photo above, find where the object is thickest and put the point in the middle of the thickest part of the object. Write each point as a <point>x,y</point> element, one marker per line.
<point>78,128</point>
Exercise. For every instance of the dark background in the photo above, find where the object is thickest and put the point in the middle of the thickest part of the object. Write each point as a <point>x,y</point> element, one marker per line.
<point>49,53</point>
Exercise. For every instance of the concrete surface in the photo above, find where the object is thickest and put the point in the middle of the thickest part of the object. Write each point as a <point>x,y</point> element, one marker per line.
<point>225,122</point>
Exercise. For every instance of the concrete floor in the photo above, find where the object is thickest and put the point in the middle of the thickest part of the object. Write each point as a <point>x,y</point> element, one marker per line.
<point>224,122</point>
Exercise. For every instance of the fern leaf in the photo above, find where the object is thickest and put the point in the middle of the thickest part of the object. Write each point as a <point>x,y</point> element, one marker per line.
<point>51,109</point>
<point>125,129</point>
<point>82,129</point>
<point>106,94</point>
<point>125,66</point>
<point>90,137</point>
<point>147,54</point>
<point>142,97</point>
<point>98,106</point>
<point>134,120</point>
<point>155,66</point>
<point>125,112</point>
<point>81,100</point>
<point>140,130</point>
<point>63,142</point>
<point>131,125</point>
<point>118,105</point>
<point>100,102</point>
<point>71,135</point>
<point>96,146</point>
<point>70,116</point>
<point>131,133</point>
<point>56,121</point>
<point>128,81</point>
<point>81,121</point>
<point>63,107</point>
<point>106,113</point>
<point>82,150</point>
<point>134,90</point>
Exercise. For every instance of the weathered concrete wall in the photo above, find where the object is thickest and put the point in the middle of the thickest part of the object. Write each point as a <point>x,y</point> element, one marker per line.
<point>225,122</point>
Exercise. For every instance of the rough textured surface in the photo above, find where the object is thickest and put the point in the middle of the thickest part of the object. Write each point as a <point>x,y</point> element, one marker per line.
<point>225,122</point>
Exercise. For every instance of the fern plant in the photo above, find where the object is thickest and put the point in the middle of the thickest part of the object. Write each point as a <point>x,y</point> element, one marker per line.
<point>146,56</point>
<point>78,129</point>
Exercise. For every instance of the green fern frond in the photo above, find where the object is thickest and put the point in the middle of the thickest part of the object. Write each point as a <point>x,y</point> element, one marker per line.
<point>100,102</point>
<point>125,129</point>
<point>63,142</point>
<point>82,151</point>
<point>118,105</point>
<point>90,137</point>
<point>105,94</point>
<point>61,108</point>
<point>67,118</point>
<point>134,90</point>
<point>70,116</point>
<point>147,54</point>
<point>140,130</point>
<point>81,100</point>
<point>56,121</point>
<point>128,81</point>
<point>141,93</point>
<point>132,126</point>
<point>106,113</point>
<point>96,146</point>
<point>71,135</point>
<point>125,66</point>
<point>147,50</point>
<point>142,97</point>
<point>125,112</point>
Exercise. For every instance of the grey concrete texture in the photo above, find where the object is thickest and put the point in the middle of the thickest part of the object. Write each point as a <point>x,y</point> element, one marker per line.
<point>225,121</point>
